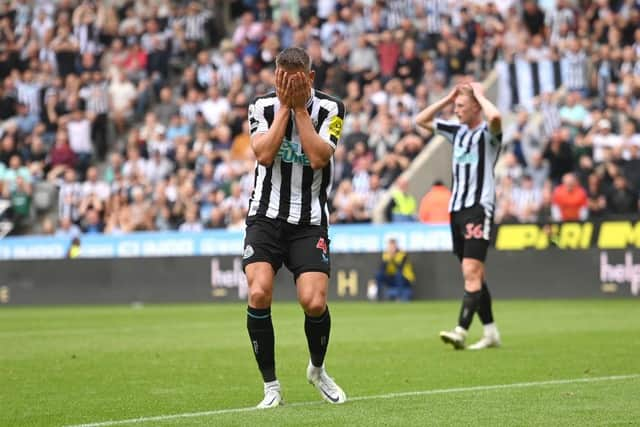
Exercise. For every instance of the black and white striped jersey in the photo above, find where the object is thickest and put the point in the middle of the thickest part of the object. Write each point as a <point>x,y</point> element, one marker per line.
<point>289,189</point>
<point>194,25</point>
<point>475,152</point>
<point>574,70</point>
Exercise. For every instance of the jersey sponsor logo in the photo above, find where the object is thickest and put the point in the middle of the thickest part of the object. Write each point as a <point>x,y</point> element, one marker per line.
<point>291,152</point>
<point>462,157</point>
<point>335,126</point>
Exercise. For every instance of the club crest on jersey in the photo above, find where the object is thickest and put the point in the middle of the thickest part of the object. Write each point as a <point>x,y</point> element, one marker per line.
<point>248,252</point>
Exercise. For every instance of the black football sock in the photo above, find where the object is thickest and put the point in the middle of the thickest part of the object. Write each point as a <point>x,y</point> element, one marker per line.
<point>317,330</point>
<point>470,303</point>
<point>484,309</point>
<point>262,340</point>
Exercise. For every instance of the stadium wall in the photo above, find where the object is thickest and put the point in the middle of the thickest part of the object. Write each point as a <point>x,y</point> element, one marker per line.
<point>568,260</point>
<point>549,273</point>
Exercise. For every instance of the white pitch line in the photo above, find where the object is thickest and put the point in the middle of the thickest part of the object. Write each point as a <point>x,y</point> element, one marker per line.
<point>359,398</point>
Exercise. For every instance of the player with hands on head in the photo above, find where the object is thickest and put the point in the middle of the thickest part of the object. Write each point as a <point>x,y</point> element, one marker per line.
<point>476,146</point>
<point>294,132</point>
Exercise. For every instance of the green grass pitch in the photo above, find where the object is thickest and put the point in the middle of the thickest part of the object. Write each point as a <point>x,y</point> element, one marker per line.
<point>186,364</point>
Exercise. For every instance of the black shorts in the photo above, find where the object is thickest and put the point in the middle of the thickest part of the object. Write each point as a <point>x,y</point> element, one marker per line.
<point>302,248</point>
<point>470,232</point>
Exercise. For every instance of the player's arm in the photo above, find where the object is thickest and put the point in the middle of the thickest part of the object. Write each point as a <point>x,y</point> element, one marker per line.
<point>265,140</point>
<point>266,144</point>
<point>318,147</point>
<point>490,111</point>
<point>425,117</point>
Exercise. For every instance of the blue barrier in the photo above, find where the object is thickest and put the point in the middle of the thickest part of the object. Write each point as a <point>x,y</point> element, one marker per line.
<point>356,238</point>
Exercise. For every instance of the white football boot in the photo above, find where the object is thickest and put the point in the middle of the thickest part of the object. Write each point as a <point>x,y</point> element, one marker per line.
<point>272,396</point>
<point>326,386</point>
<point>490,338</point>
<point>455,337</point>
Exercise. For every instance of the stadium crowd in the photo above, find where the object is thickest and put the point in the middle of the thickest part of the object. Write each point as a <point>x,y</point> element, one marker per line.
<point>137,110</point>
<point>581,159</point>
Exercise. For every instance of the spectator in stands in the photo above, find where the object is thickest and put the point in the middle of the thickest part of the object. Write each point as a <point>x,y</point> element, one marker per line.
<point>434,206</point>
<point>526,201</point>
<point>522,137</point>
<point>537,169</point>
<point>569,200</point>
<point>573,114</point>
<point>93,223</point>
<point>11,174</point>
<point>621,199</point>
<point>558,153</point>
<point>67,228</point>
<point>20,196</point>
<point>79,133</point>
<point>191,223</point>
<point>373,195</point>
<point>114,66</point>
<point>395,277</point>
<point>596,198</point>
<point>403,205</point>
<point>603,140</point>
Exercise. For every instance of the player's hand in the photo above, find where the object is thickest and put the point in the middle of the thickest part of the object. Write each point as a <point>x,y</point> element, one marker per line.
<point>477,88</point>
<point>451,97</point>
<point>301,90</point>
<point>282,87</point>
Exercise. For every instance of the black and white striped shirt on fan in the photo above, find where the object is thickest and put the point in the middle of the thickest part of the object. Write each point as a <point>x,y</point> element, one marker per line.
<point>475,152</point>
<point>289,189</point>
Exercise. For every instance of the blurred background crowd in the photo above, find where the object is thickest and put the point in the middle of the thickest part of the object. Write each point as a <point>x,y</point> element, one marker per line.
<point>121,115</point>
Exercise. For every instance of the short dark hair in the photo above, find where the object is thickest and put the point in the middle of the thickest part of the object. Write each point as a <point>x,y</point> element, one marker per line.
<point>294,57</point>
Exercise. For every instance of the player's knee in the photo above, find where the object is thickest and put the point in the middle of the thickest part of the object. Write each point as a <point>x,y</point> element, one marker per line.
<point>472,270</point>
<point>259,295</point>
<point>313,305</point>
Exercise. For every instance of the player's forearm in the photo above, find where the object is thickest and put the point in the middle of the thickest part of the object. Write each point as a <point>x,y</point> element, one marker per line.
<point>491,112</point>
<point>317,150</point>
<point>266,145</point>
<point>425,117</point>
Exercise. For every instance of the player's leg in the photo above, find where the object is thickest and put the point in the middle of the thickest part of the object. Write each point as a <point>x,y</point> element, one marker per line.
<point>490,336</point>
<point>472,272</point>
<point>260,277</point>
<point>260,262</point>
<point>309,261</point>
<point>457,336</point>
<point>312,294</point>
